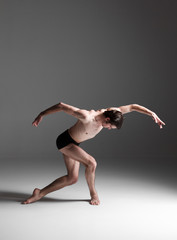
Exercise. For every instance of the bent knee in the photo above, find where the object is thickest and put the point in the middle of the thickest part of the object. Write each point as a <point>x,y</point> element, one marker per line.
<point>92,163</point>
<point>72,179</point>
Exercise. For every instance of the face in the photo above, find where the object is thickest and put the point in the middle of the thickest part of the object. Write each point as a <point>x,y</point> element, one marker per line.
<point>108,125</point>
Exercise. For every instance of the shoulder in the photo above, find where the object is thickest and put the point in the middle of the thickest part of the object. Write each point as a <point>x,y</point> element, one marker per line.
<point>89,115</point>
<point>82,114</point>
<point>113,108</point>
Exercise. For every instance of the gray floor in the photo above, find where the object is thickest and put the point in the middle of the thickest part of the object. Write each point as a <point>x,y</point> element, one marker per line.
<point>132,207</point>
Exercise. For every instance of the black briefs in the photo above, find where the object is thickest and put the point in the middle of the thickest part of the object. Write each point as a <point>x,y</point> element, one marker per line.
<point>64,139</point>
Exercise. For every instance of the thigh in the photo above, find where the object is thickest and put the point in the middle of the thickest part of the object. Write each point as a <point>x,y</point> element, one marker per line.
<point>77,153</point>
<point>71,165</point>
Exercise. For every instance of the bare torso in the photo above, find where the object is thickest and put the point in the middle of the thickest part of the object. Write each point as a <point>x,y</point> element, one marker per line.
<point>87,129</point>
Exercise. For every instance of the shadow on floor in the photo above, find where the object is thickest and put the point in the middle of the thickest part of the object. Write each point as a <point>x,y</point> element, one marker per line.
<point>6,196</point>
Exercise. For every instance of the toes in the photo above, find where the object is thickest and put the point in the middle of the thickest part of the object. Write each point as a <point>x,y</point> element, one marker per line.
<point>94,202</point>
<point>26,202</point>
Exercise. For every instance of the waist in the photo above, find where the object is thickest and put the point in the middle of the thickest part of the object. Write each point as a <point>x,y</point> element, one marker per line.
<point>76,140</point>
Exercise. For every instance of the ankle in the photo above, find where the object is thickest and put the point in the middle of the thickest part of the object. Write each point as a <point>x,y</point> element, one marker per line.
<point>94,193</point>
<point>41,194</point>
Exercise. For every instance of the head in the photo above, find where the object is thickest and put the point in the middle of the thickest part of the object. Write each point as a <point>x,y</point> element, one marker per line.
<point>113,119</point>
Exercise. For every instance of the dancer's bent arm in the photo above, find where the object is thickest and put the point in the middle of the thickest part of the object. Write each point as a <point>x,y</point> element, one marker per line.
<point>74,111</point>
<point>138,108</point>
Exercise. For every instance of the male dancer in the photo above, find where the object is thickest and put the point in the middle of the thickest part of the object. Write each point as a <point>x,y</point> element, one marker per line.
<point>88,125</point>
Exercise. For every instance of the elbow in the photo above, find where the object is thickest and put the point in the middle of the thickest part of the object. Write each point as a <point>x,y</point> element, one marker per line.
<point>133,107</point>
<point>60,105</point>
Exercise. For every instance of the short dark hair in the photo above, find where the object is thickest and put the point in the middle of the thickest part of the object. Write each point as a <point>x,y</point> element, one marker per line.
<point>116,117</point>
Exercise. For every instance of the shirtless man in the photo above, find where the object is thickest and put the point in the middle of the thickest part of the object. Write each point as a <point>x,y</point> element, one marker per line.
<point>88,125</point>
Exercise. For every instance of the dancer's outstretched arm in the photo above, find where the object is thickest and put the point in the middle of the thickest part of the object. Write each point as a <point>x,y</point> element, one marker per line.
<point>74,111</point>
<point>138,108</point>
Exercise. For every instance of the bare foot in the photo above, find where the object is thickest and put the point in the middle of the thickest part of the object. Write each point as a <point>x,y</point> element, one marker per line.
<point>34,197</point>
<point>94,200</point>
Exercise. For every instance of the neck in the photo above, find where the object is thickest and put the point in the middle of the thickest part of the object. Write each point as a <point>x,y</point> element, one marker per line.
<point>99,117</point>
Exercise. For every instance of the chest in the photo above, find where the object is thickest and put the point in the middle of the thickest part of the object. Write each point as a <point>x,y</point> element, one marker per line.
<point>91,129</point>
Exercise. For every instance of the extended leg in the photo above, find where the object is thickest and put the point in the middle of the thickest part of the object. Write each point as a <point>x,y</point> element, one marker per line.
<point>71,178</point>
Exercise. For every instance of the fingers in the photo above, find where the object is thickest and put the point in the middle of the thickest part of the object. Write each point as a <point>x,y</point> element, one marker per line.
<point>35,123</point>
<point>155,119</point>
<point>158,121</point>
<point>161,124</point>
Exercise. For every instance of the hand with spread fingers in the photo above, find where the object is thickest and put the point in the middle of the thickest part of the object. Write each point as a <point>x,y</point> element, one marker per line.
<point>157,120</point>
